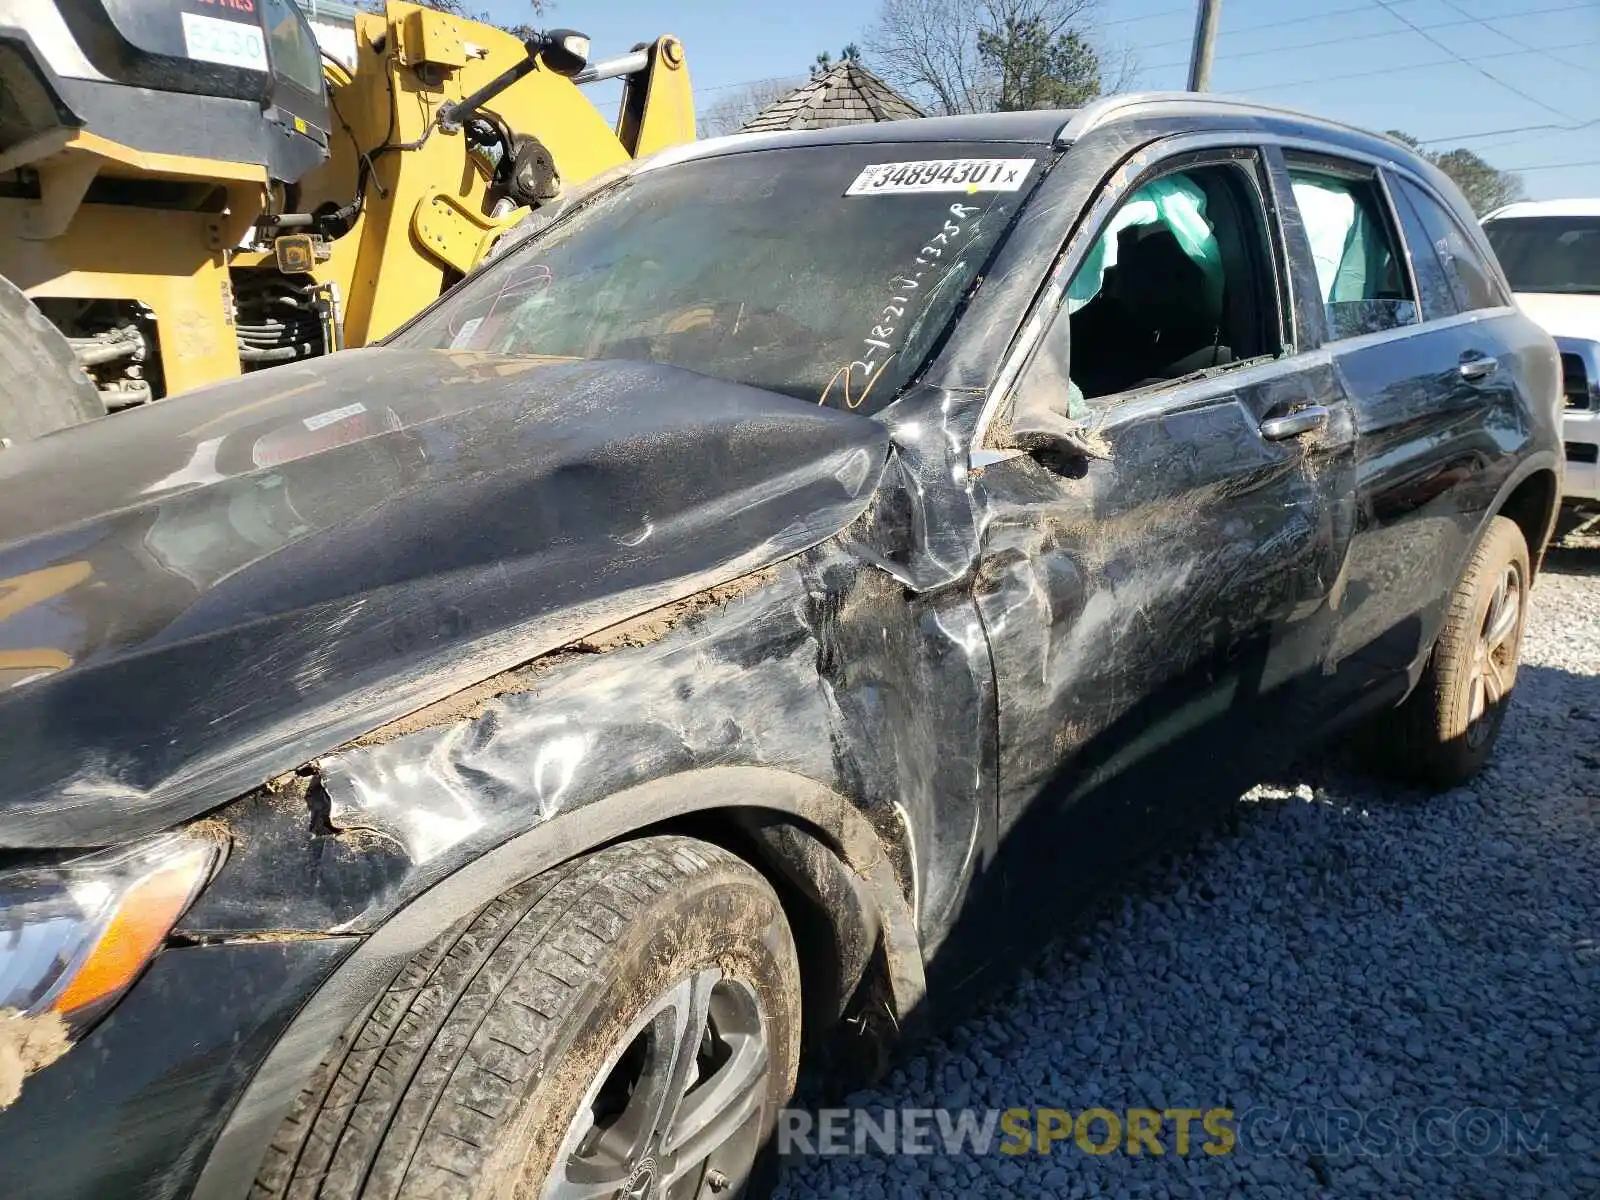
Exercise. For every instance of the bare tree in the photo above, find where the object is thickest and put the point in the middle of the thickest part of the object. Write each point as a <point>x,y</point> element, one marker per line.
<point>953,56</point>
<point>728,113</point>
<point>1119,68</point>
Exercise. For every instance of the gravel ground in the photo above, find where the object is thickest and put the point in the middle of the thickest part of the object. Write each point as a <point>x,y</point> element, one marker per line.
<point>1346,947</point>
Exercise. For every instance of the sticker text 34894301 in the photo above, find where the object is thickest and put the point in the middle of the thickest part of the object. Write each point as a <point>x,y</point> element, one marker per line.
<point>941,175</point>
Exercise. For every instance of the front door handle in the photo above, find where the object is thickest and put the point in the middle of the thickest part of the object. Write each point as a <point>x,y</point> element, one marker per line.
<point>1479,366</point>
<point>1303,420</point>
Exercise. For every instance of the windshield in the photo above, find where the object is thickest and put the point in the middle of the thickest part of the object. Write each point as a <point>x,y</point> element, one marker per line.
<point>1548,254</point>
<point>823,272</point>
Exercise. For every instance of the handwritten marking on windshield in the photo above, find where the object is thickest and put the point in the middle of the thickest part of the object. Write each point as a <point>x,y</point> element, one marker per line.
<point>891,316</point>
<point>843,375</point>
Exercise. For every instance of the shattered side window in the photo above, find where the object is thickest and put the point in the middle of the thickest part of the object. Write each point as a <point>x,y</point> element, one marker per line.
<point>1174,202</point>
<point>1178,281</point>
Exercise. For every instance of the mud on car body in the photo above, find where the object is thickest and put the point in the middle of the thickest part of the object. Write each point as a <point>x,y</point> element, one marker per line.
<point>721,628</point>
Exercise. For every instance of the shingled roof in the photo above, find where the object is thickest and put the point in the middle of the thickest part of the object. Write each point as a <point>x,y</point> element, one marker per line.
<point>845,94</point>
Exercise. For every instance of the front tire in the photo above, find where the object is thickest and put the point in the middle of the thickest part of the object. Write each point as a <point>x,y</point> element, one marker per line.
<point>630,1020</point>
<point>1447,728</point>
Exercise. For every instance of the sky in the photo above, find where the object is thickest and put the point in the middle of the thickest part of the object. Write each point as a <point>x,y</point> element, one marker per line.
<point>1473,73</point>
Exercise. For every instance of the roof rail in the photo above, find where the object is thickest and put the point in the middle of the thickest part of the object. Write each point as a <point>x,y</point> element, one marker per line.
<point>1102,111</point>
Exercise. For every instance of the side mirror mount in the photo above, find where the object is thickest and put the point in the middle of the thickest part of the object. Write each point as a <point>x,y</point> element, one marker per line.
<point>1039,427</point>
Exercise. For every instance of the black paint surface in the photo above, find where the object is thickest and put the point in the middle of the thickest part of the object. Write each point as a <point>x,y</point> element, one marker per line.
<point>979,677</point>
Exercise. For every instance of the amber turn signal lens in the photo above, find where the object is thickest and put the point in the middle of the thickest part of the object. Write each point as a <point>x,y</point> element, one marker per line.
<point>76,934</point>
<point>138,926</point>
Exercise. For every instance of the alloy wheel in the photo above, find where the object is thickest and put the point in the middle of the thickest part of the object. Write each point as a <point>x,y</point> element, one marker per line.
<point>675,1111</point>
<point>1494,659</point>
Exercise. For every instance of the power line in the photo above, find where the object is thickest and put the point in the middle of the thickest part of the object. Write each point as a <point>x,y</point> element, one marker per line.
<point>1470,137</point>
<point>1327,15</point>
<point>1515,41</point>
<point>1503,143</point>
<point>1165,12</point>
<point>1387,7</point>
<point>1330,13</point>
<point>1372,37</point>
<point>1434,141</point>
<point>1592,162</point>
<point>1322,16</point>
<point>1443,62</point>
<point>1188,10</point>
<point>722,87</point>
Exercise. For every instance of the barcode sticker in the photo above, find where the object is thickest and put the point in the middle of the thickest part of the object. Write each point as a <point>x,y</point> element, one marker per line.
<point>942,175</point>
<point>334,414</point>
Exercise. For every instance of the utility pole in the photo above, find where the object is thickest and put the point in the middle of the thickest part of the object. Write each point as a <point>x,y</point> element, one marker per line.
<point>1205,40</point>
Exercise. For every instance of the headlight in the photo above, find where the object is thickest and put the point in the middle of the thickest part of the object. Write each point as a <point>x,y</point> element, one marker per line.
<point>74,937</point>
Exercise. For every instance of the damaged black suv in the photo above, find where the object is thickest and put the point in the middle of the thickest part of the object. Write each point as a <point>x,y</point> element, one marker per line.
<point>697,644</point>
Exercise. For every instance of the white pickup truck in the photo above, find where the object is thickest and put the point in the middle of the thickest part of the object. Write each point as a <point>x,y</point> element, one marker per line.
<point>1550,250</point>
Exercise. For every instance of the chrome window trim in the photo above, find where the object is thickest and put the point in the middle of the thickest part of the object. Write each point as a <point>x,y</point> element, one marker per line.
<point>1101,113</point>
<point>1344,345</point>
<point>1397,229</point>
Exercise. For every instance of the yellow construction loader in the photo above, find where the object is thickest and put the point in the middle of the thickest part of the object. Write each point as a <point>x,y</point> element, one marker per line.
<point>191,189</point>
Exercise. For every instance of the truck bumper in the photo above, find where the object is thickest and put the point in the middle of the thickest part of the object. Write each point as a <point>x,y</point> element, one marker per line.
<point>1580,430</point>
<point>1580,422</point>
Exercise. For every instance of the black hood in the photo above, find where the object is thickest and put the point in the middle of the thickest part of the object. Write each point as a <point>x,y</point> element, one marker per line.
<point>208,591</point>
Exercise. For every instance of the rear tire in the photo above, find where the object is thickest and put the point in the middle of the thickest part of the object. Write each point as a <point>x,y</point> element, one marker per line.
<point>546,1039</point>
<point>1447,728</point>
<point>42,387</point>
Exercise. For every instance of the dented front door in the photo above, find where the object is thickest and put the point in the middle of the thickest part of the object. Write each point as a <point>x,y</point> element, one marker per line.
<point>1158,622</point>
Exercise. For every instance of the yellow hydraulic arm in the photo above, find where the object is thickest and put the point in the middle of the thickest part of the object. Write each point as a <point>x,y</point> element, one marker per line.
<point>218,268</point>
<point>424,218</point>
